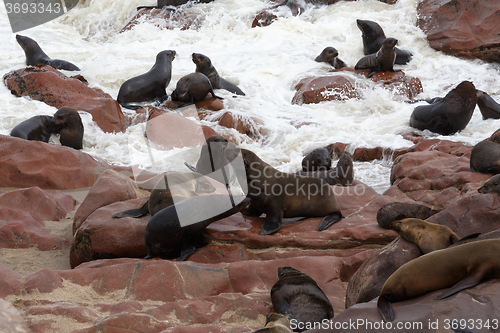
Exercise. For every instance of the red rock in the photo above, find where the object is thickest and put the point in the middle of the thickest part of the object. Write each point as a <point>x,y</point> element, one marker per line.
<point>242,124</point>
<point>48,85</point>
<point>26,163</point>
<point>181,21</point>
<point>78,313</point>
<point>11,320</point>
<point>11,282</point>
<point>325,88</point>
<point>465,28</point>
<point>44,280</point>
<point>129,323</point>
<point>209,103</point>
<point>211,329</point>
<point>110,187</point>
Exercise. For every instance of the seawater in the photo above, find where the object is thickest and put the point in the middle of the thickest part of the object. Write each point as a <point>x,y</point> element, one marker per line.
<point>265,62</point>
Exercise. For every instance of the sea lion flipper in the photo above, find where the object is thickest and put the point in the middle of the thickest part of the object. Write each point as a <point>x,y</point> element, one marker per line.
<point>471,236</point>
<point>329,220</point>
<point>385,309</point>
<point>272,223</point>
<point>62,64</point>
<point>251,211</point>
<point>190,167</point>
<point>467,282</point>
<point>131,106</point>
<point>139,212</point>
<point>186,252</point>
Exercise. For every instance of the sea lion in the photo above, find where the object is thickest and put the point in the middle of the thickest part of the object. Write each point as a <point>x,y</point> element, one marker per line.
<point>297,296</point>
<point>172,187</point>
<point>489,108</point>
<point>458,267</point>
<point>342,174</point>
<point>276,323</point>
<point>373,37</point>
<point>192,88</point>
<point>382,61</point>
<point>316,160</point>
<point>66,122</point>
<point>394,211</point>
<point>204,66</point>
<point>330,56</point>
<point>279,194</point>
<point>449,115</point>
<point>175,231</point>
<point>485,157</point>
<point>36,57</point>
<point>148,86</point>
<point>491,185</point>
<point>428,236</point>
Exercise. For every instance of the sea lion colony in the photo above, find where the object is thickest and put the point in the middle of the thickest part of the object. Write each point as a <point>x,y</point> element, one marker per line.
<point>381,55</point>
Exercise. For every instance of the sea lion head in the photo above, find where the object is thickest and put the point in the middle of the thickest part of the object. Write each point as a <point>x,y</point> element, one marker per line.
<point>287,270</point>
<point>166,55</point>
<point>328,55</point>
<point>389,43</point>
<point>201,60</point>
<point>370,29</point>
<point>277,319</point>
<point>491,185</point>
<point>67,117</point>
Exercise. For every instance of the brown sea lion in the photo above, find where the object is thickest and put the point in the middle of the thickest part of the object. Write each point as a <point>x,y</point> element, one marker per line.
<point>450,114</point>
<point>276,323</point>
<point>342,174</point>
<point>394,211</point>
<point>491,185</point>
<point>485,157</point>
<point>176,231</point>
<point>66,122</point>
<point>36,57</point>
<point>330,56</point>
<point>279,194</point>
<point>149,86</point>
<point>382,61</point>
<point>204,66</point>
<point>193,88</point>
<point>428,236</point>
<point>316,160</point>
<point>297,296</point>
<point>172,187</point>
<point>459,267</point>
<point>373,37</point>
<point>489,108</point>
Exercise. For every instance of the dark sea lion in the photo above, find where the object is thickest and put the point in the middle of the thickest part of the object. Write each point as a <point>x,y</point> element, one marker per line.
<point>70,127</point>
<point>204,66</point>
<point>330,56</point>
<point>318,159</point>
<point>394,211</point>
<point>382,61</point>
<point>36,57</point>
<point>491,185</point>
<point>66,122</point>
<point>148,86</point>
<point>449,115</point>
<point>342,174</point>
<point>428,236</point>
<point>193,88</point>
<point>276,323</point>
<point>373,37</point>
<point>172,187</point>
<point>485,157</point>
<point>489,108</point>
<point>167,237</point>
<point>281,195</point>
<point>297,296</point>
<point>458,267</point>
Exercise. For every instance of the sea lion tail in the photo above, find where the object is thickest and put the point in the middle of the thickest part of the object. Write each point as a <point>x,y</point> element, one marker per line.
<point>139,212</point>
<point>385,309</point>
<point>329,220</point>
<point>469,281</point>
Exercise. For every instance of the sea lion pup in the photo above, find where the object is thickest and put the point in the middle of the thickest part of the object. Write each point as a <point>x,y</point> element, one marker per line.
<point>275,323</point>
<point>428,236</point>
<point>491,185</point>
<point>148,86</point>
<point>172,187</point>
<point>330,56</point>
<point>66,122</point>
<point>282,195</point>
<point>449,115</point>
<point>489,108</point>
<point>394,211</point>
<point>382,61</point>
<point>373,37</point>
<point>176,231</point>
<point>316,160</point>
<point>192,88</point>
<point>342,174</point>
<point>458,267</point>
<point>485,157</point>
<point>297,296</point>
<point>204,66</point>
<point>36,57</point>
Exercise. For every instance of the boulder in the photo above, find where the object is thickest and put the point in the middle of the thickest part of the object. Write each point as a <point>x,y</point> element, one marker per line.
<point>11,320</point>
<point>52,87</point>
